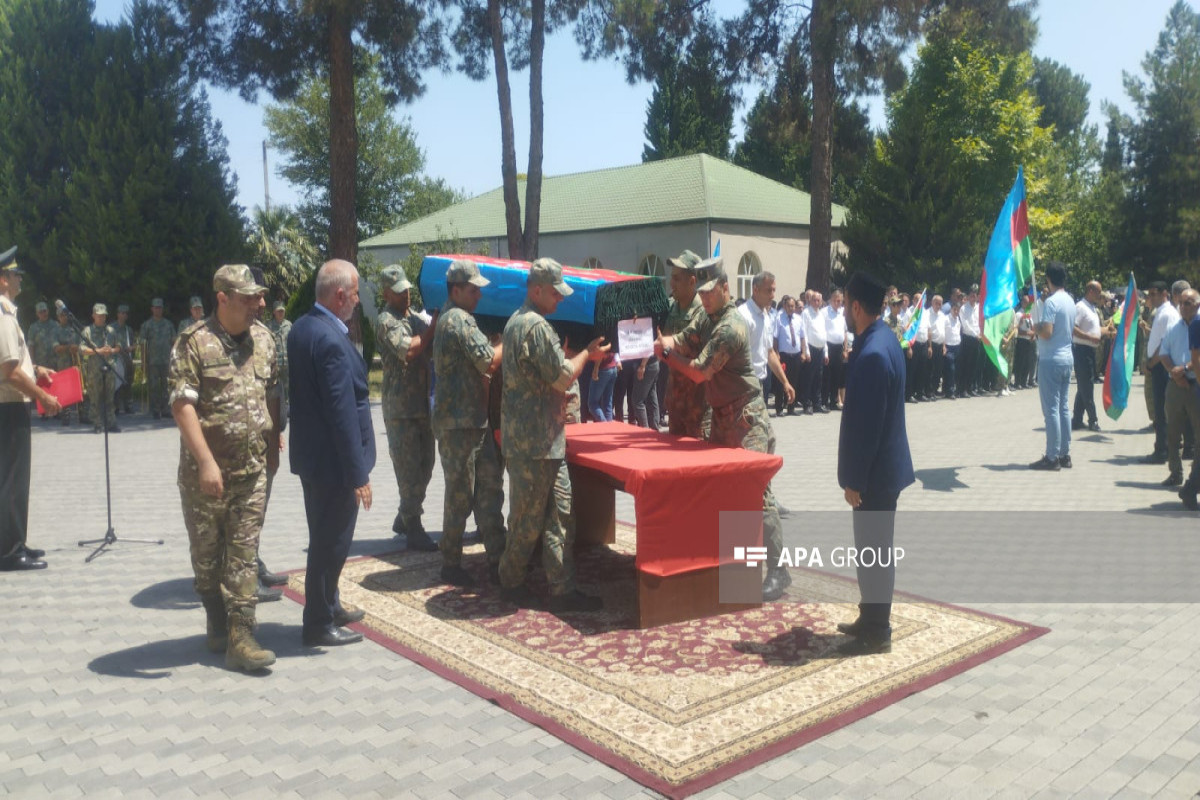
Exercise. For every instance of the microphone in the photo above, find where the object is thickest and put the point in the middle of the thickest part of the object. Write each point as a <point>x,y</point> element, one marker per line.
<point>61,308</point>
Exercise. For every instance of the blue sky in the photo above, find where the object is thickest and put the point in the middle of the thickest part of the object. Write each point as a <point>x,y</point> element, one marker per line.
<point>595,119</point>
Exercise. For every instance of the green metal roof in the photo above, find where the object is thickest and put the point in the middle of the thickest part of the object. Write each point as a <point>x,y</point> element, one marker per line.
<point>684,189</point>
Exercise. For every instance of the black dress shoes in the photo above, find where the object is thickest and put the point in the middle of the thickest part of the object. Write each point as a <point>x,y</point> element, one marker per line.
<point>1173,480</point>
<point>851,628</point>
<point>867,644</point>
<point>20,562</point>
<point>268,578</point>
<point>1188,497</point>
<point>1046,464</point>
<point>346,615</point>
<point>1155,458</point>
<point>1094,426</point>
<point>34,553</point>
<point>1064,462</point>
<point>266,594</point>
<point>778,579</point>
<point>456,576</point>
<point>330,636</point>
<point>420,541</point>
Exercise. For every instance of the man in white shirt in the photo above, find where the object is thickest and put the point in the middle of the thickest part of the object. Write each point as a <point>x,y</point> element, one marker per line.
<point>818,355</point>
<point>972,349</point>
<point>937,347</point>
<point>835,344</point>
<point>792,348</point>
<point>1084,340</point>
<point>760,319</point>
<point>1165,316</point>
<point>953,328</point>
<point>918,349</point>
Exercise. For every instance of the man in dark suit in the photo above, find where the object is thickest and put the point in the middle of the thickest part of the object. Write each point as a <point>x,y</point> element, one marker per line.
<point>332,446</point>
<point>874,464</point>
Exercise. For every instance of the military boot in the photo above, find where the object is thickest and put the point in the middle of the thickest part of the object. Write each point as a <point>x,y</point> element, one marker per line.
<point>243,651</point>
<point>218,629</point>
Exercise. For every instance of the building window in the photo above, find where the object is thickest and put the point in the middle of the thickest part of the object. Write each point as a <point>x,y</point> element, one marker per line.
<point>748,267</point>
<point>652,265</point>
<point>591,262</point>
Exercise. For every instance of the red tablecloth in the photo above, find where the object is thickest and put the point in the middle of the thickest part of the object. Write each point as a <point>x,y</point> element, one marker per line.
<point>679,486</point>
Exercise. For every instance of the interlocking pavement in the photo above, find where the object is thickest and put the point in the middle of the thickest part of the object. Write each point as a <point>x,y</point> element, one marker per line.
<point>109,692</point>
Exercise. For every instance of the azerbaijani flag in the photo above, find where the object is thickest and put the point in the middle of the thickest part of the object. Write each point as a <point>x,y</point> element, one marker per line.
<point>1119,373</point>
<point>1007,268</point>
<point>910,332</point>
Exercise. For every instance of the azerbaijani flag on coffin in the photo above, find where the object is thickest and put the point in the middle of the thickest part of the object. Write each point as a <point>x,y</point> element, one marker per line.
<point>1007,268</point>
<point>1119,373</point>
<point>910,332</point>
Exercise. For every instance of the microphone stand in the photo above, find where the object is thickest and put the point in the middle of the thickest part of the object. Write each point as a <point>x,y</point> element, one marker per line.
<point>110,535</point>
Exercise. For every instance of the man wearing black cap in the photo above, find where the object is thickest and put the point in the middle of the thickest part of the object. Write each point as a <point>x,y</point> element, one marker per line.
<point>17,388</point>
<point>874,463</point>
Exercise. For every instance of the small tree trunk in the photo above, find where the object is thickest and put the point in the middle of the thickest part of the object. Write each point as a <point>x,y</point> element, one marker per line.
<point>533,180</point>
<point>820,232</point>
<point>343,140</point>
<point>508,156</point>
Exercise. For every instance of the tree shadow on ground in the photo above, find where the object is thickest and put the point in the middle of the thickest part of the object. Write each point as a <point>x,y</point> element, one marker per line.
<point>794,648</point>
<point>1169,509</point>
<point>1155,485</point>
<point>1006,467</point>
<point>154,660</point>
<point>172,595</point>
<point>944,479</point>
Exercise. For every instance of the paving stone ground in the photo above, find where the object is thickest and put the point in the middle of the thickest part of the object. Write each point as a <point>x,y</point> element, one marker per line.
<point>109,692</point>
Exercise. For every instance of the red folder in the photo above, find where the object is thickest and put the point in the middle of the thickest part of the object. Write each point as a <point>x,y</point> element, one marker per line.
<point>66,385</point>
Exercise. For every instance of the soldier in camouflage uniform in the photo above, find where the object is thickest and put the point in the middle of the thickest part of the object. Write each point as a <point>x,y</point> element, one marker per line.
<point>734,394</point>
<point>225,397</point>
<point>157,335</point>
<point>196,309</point>
<point>685,399</point>
<point>405,342</point>
<point>126,340</point>
<point>280,326</point>
<point>66,350</point>
<point>463,361</point>
<point>536,377</point>
<point>895,321</point>
<point>98,344</point>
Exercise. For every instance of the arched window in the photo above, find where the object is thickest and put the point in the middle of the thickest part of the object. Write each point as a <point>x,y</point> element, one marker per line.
<point>591,262</point>
<point>748,267</point>
<point>652,265</point>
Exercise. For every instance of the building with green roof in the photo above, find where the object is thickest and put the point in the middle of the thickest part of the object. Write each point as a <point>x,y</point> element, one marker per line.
<point>633,218</point>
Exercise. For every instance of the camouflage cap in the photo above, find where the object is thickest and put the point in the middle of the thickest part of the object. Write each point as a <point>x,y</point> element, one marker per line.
<point>685,260</point>
<point>195,302</point>
<point>100,308</point>
<point>156,303</point>
<point>41,307</point>
<point>709,273</point>
<point>8,262</point>
<point>395,278</point>
<point>279,306</point>
<point>548,272</point>
<point>462,270</point>
<point>236,279</point>
<point>122,309</point>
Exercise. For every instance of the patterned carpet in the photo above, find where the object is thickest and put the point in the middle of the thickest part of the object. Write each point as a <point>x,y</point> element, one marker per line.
<point>680,707</point>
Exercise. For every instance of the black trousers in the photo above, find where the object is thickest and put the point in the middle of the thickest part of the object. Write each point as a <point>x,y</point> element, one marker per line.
<point>835,374</point>
<point>332,512</point>
<point>16,449</point>
<point>1023,362</point>
<point>1160,378</point>
<point>816,369</point>
<point>950,369</point>
<point>875,529</point>
<point>792,367</point>
<point>936,367</point>
<point>919,369</point>
<point>1085,383</point>
<point>967,368</point>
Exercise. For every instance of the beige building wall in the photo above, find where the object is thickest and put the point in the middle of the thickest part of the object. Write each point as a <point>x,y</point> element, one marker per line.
<point>780,249</point>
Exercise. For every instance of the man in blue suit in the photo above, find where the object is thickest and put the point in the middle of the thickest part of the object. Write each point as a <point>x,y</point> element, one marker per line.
<point>332,447</point>
<point>874,464</point>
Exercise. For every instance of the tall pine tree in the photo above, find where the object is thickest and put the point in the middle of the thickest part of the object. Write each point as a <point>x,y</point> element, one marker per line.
<point>691,108</point>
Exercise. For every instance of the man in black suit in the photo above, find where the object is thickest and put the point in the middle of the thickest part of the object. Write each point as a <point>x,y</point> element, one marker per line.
<point>332,446</point>
<point>874,464</point>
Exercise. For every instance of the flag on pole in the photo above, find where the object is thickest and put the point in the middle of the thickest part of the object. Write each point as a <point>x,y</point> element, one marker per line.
<point>1007,268</point>
<point>717,249</point>
<point>910,332</point>
<point>1119,373</point>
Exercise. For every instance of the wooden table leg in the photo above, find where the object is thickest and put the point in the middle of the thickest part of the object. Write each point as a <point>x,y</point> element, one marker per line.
<point>594,505</point>
<point>677,598</point>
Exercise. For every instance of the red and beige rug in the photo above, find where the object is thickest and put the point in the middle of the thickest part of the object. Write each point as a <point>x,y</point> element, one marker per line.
<point>680,707</point>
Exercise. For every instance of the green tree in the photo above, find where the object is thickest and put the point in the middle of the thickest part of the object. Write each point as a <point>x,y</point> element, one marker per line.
<point>956,134</point>
<point>274,45</point>
<point>390,187</point>
<point>1161,231</point>
<point>1063,96</point>
<point>777,141</point>
<point>278,245</point>
<point>115,182</point>
<point>691,108</point>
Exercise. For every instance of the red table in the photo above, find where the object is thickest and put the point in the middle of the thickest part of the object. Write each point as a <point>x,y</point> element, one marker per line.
<point>679,487</point>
